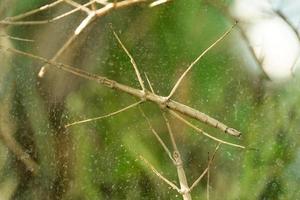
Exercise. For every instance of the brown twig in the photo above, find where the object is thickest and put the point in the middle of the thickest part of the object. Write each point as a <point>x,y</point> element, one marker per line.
<point>170,105</point>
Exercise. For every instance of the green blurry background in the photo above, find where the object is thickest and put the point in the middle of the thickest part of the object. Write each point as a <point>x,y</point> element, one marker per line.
<point>100,160</point>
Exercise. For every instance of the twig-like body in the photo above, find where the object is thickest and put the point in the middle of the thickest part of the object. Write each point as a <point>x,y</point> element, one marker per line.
<point>170,104</point>
<point>203,132</point>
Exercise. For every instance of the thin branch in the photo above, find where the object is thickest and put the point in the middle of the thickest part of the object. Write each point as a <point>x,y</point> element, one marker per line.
<point>170,132</point>
<point>18,151</point>
<point>198,179</point>
<point>58,54</point>
<point>214,154</point>
<point>94,6</point>
<point>104,116</point>
<point>204,133</point>
<point>158,2</point>
<point>78,5</point>
<point>211,120</point>
<point>20,23</point>
<point>227,15</point>
<point>197,59</point>
<point>100,12</point>
<point>170,105</point>
<point>206,170</point>
<point>172,185</point>
<point>207,183</point>
<point>167,150</point>
<point>84,23</point>
<point>137,72</point>
<point>184,188</point>
<point>32,12</point>
<point>102,2</point>
<point>149,83</point>
<point>17,38</point>
<point>77,31</point>
<point>210,160</point>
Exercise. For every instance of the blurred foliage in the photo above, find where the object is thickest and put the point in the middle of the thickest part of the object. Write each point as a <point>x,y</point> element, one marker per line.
<point>100,160</point>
